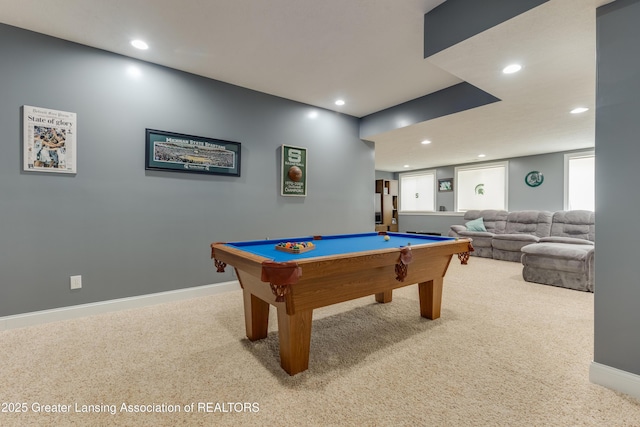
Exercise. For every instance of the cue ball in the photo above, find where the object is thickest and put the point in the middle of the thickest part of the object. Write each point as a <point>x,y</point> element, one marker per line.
<point>386,237</point>
<point>295,173</point>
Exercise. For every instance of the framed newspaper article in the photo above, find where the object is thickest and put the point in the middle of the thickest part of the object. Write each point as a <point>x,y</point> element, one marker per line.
<point>49,140</point>
<point>176,152</point>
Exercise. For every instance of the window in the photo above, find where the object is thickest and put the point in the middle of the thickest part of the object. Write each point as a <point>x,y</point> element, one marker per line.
<point>417,191</point>
<point>481,187</point>
<point>580,181</point>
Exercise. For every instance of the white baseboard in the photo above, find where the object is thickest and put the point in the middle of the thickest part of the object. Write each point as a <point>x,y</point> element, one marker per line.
<point>83,310</point>
<point>615,379</point>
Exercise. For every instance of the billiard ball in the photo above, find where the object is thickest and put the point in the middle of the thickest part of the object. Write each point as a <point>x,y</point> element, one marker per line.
<point>386,238</point>
<point>295,173</point>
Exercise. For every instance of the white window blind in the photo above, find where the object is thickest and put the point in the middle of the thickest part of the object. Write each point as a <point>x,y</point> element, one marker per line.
<point>580,181</point>
<point>417,191</point>
<point>481,187</point>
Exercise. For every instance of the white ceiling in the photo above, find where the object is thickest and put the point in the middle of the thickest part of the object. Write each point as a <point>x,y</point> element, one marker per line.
<point>368,52</point>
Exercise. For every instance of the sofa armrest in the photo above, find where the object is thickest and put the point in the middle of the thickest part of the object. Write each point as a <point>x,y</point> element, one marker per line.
<point>569,240</point>
<point>458,228</point>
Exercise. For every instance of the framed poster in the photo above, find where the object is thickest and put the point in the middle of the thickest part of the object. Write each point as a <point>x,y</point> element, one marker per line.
<point>294,171</point>
<point>176,152</point>
<point>445,184</point>
<point>49,143</point>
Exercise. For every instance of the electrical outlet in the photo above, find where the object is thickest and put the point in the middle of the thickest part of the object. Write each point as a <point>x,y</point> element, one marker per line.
<point>75,282</point>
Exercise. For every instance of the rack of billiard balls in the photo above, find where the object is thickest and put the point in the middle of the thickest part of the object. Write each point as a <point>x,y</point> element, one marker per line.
<point>295,247</point>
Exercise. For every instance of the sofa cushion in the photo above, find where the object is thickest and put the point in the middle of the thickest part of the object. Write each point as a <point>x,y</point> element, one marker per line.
<point>513,242</point>
<point>476,225</point>
<point>562,251</point>
<point>494,220</point>
<point>572,240</point>
<point>579,224</point>
<point>535,223</point>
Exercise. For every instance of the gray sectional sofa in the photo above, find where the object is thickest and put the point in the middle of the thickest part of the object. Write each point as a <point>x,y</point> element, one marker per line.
<point>555,248</point>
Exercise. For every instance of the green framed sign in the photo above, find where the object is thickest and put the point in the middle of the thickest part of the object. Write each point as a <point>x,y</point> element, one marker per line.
<point>176,152</point>
<point>294,171</point>
<point>534,179</point>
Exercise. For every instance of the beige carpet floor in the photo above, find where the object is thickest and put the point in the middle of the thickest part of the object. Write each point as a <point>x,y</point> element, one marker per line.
<point>504,353</point>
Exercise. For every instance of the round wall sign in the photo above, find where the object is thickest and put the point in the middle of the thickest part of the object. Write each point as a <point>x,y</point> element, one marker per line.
<point>534,178</point>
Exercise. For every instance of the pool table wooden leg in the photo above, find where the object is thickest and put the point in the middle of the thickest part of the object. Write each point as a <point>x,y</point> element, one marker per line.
<point>384,297</point>
<point>295,340</point>
<point>430,298</point>
<point>256,316</point>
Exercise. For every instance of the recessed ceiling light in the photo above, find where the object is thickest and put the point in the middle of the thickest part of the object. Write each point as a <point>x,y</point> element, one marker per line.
<point>406,166</point>
<point>339,102</point>
<point>513,68</point>
<point>482,155</point>
<point>139,44</point>
<point>579,110</point>
<point>425,142</point>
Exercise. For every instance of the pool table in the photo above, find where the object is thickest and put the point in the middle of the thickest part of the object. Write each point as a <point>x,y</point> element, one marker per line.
<point>332,269</point>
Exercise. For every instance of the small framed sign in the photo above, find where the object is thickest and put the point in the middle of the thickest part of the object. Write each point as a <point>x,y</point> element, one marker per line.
<point>176,152</point>
<point>534,179</point>
<point>294,171</point>
<point>445,184</point>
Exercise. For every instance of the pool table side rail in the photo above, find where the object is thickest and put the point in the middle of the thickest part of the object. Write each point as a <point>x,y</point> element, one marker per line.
<point>323,265</point>
<point>239,259</point>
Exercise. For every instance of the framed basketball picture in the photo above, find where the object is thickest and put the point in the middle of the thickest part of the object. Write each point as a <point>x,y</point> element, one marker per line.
<point>293,171</point>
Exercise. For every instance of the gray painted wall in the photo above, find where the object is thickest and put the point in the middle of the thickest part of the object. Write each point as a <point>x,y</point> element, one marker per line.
<point>384,175</point>
<point>432,223</point>
<point>128,231</point>
<point>548,196</point>
<point>617,318</point>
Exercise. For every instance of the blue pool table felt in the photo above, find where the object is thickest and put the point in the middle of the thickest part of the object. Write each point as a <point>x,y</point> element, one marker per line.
<point>335,244</point>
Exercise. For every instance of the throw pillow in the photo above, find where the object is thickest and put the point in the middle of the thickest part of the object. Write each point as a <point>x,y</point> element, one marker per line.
<point>476,225</point>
